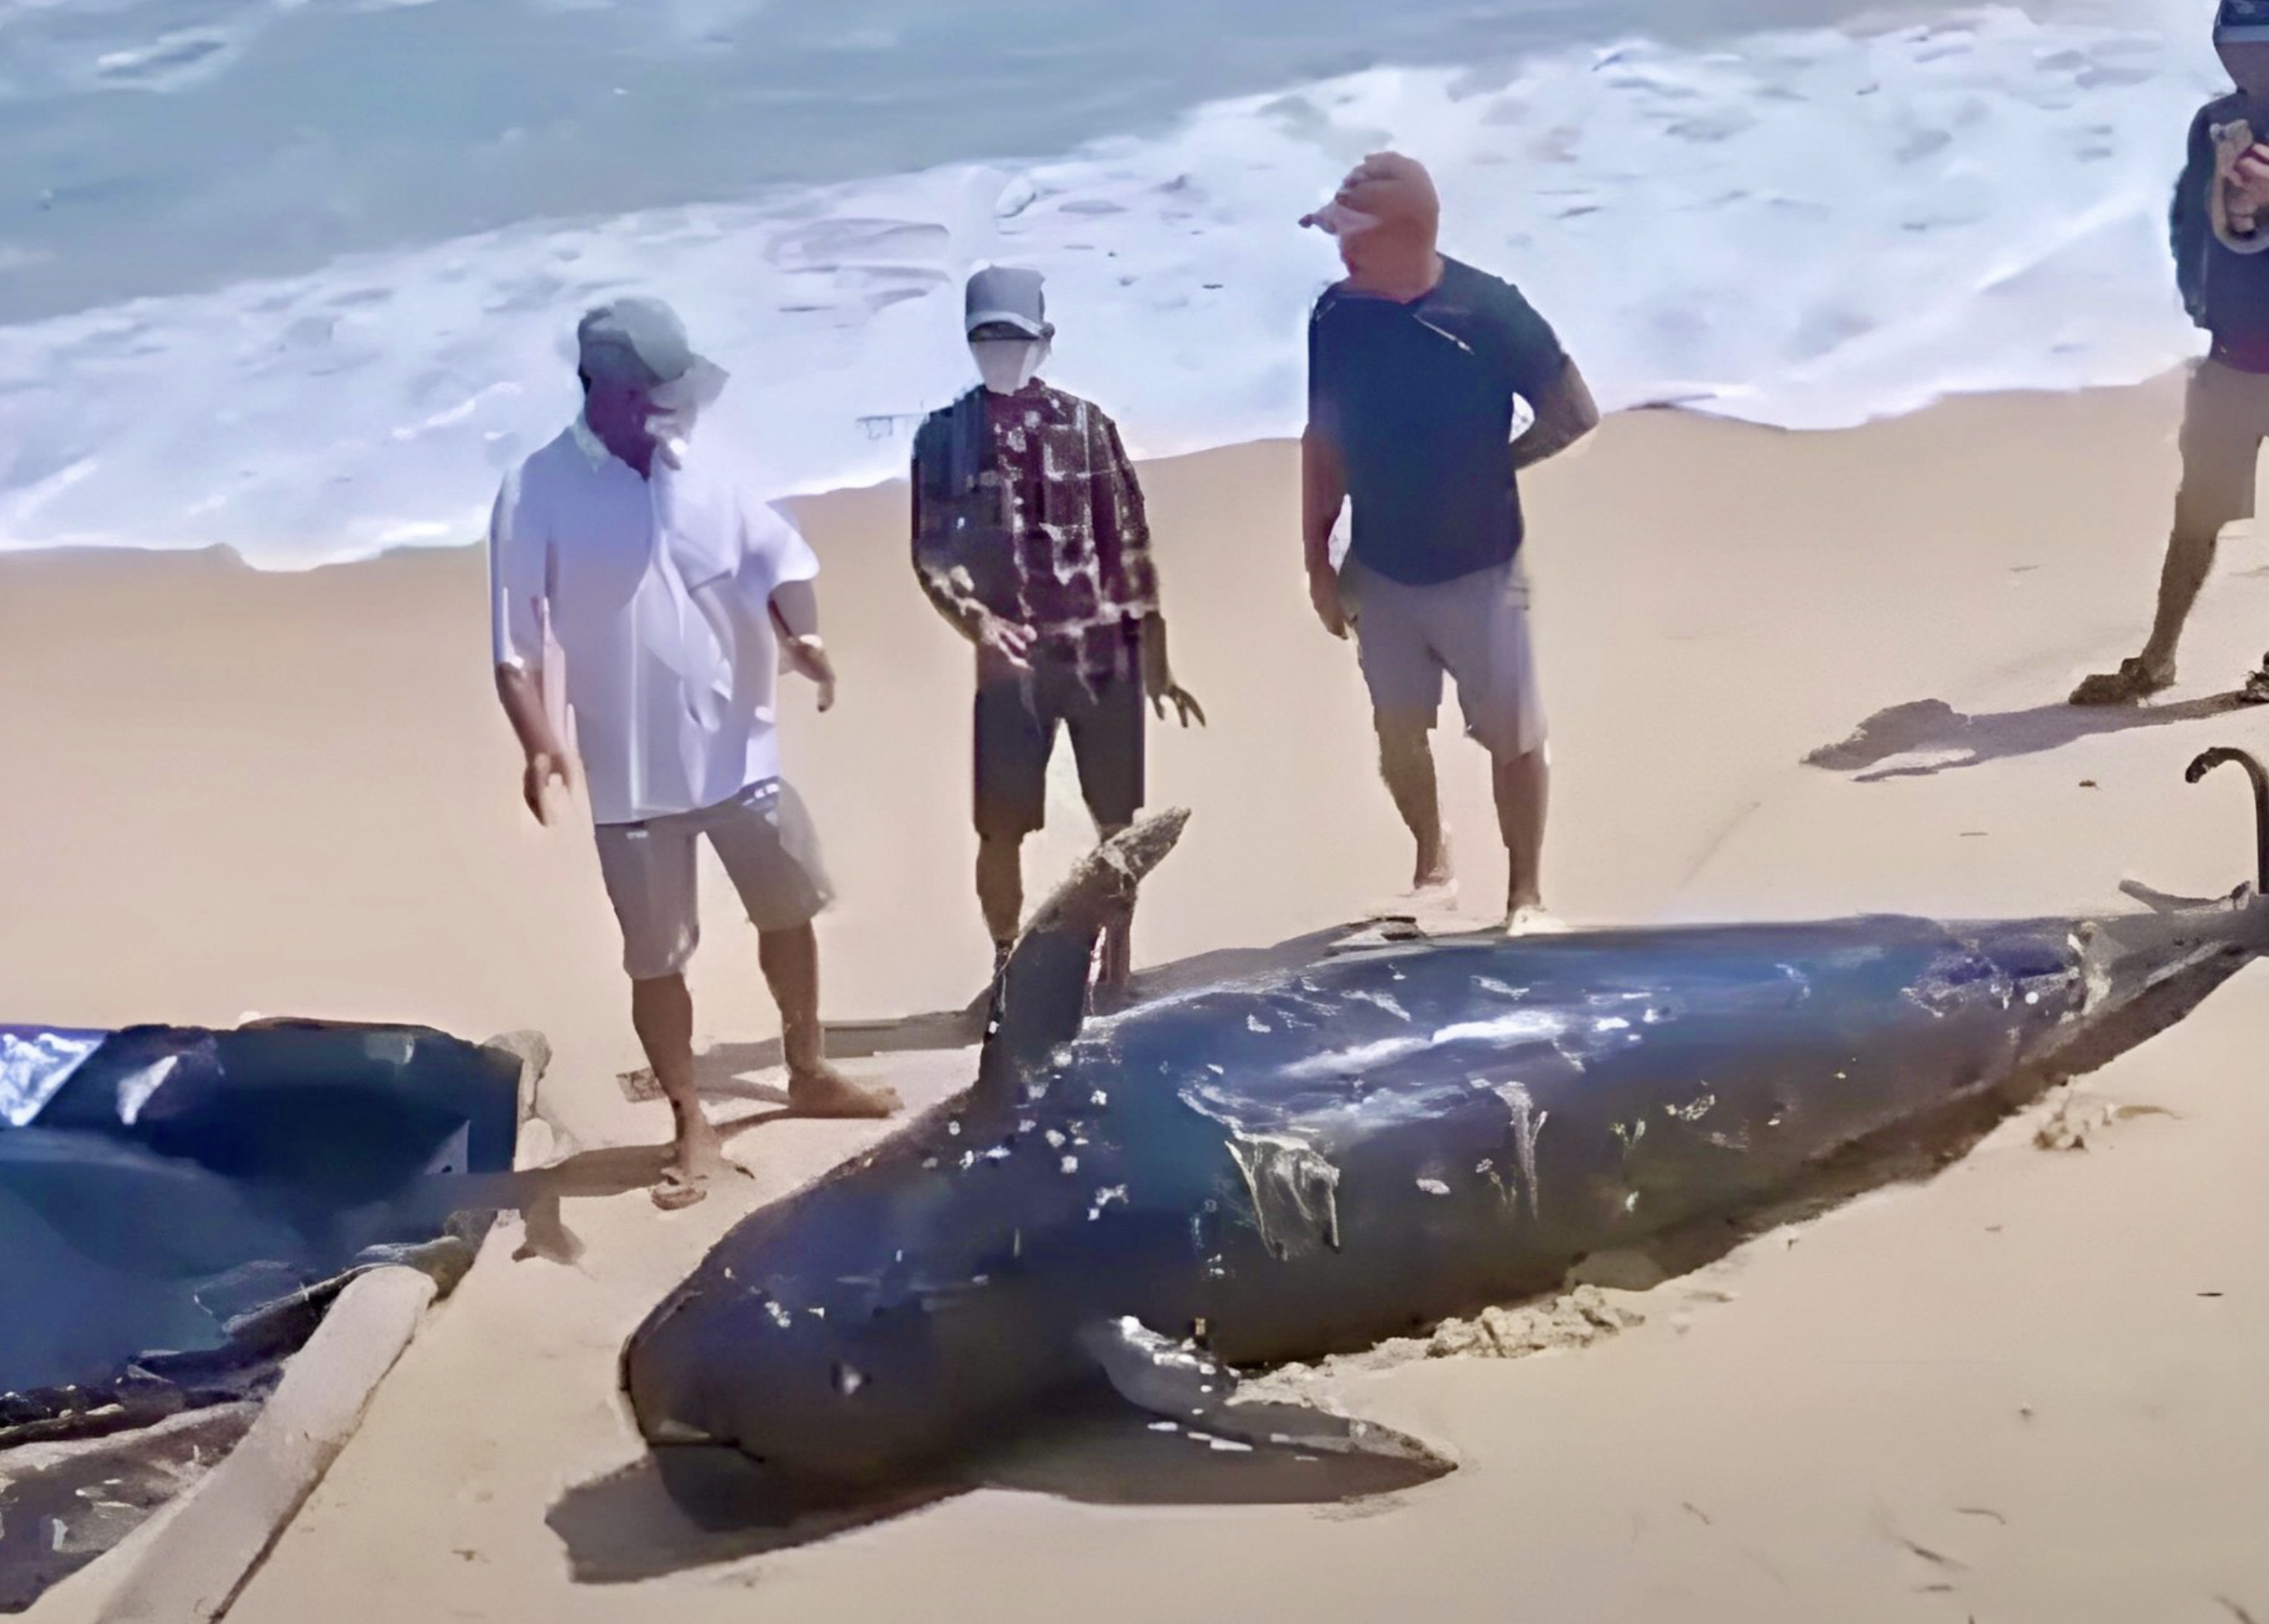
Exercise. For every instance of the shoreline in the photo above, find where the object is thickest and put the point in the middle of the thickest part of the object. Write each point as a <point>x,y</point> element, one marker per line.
<point>229,555</point>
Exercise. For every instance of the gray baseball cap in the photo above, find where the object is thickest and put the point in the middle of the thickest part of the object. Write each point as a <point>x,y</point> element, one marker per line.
<point>1008,295</point>
<point>641,343</point>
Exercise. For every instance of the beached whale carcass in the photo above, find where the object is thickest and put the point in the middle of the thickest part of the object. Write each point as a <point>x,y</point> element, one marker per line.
<point>1315,1158</point>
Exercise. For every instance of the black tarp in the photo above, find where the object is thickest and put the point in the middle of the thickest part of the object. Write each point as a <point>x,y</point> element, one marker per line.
<point>178,1208</point>
<point>175,1200</point>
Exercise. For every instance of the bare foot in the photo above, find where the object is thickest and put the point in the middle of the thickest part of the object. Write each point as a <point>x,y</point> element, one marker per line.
<point>1434,873</point>
<point>2136,679</point>
<point>699,1158</point>
<point>1438,895</point>
<point>822,1091</point>
<point>1531,918</point>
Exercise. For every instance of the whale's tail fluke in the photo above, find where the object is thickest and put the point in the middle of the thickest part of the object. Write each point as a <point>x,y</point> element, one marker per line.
<point>1039,998</point>
<point>2214,757</point>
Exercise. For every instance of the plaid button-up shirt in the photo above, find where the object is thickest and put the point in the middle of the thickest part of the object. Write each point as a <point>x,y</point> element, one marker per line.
<point>1027,505</point>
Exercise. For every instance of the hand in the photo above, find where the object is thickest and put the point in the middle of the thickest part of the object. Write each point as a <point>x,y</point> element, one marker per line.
<point>1004,648</point>
<point>543,770</point>
<point>1185,703</point>
<point>1323,592</point>
<point>2248,180</point>
<point>1006,638</point>
<point>809,656</point>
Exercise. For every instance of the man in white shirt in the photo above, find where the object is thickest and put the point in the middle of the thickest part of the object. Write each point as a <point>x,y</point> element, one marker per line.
<point>665,588</point>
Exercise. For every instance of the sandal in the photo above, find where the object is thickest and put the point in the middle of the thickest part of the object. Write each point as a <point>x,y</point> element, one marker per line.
<point>2133,681</point>
<point>675,1190</point>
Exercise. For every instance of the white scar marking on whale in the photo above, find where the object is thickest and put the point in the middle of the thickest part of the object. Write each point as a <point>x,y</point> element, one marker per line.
<point>1383,1000</point>
<point>2095,973</point>
<point>1295,1190</point>
<point>1292,1186</point>
<point>1527,1122</point>
<point>1519,1025</point>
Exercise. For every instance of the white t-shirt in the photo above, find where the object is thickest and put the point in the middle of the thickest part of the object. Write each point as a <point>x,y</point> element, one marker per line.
<point>659,594</point>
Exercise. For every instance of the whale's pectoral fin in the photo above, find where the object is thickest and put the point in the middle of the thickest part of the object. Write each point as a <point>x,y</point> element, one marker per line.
<point>1176,1382</point>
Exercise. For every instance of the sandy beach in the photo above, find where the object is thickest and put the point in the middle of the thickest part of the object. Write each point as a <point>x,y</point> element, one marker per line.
<point>2026,1391</point>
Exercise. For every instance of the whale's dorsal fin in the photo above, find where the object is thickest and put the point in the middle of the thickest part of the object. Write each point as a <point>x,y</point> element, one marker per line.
<point>1040,996</point>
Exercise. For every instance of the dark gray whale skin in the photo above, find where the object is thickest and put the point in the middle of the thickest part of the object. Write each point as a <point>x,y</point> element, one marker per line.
<point>1310,1160</point>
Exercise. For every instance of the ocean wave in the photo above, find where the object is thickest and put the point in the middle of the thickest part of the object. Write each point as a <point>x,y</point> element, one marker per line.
<point>1808,229</point>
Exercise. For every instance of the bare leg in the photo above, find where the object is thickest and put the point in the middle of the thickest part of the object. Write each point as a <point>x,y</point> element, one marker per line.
<point>1118,935</point>
<point>2190,560</point>
<point>1406,761</point>
<point>1520,783</point>
<point>790,960</point>
<point>662,1009</point>
<point>2223,421</point>
<point>2191,549</point>
<point>1001,887</point>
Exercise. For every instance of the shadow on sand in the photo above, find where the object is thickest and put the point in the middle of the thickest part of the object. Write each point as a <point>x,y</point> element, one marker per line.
<point>1932,726</point>
<point>722,1071</point>
<point>684,1507</point>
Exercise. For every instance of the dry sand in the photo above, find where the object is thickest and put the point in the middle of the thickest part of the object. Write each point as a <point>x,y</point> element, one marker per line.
<point>2029,1390</point>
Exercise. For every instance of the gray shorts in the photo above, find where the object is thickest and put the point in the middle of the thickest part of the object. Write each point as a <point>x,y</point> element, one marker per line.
<point>770,852</point>
<point>1474,628</point>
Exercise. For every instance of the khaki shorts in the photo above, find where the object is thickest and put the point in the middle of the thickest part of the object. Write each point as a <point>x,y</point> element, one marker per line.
<point>2225,418</point>
<point>1474,629</point>
<point>770,852</point>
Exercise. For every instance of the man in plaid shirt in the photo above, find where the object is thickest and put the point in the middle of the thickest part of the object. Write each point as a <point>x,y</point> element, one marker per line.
<point>1030,538</point>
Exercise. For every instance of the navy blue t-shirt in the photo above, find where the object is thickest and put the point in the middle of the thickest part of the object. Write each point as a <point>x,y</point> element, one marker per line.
<point>1418,398</point>
<point>2226,293</point>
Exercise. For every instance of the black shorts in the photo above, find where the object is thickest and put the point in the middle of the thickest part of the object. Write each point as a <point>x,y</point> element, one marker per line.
<point>1015,729</point>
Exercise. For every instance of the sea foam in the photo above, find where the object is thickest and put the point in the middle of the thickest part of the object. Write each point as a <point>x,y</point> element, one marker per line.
<point>1808,229</point>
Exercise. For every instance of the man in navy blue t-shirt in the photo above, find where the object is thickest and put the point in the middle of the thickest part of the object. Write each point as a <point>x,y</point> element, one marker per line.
<point>1414,364</point>
<point>2219,228</point>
